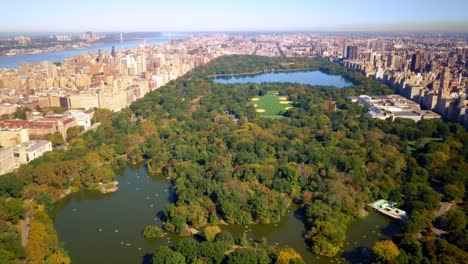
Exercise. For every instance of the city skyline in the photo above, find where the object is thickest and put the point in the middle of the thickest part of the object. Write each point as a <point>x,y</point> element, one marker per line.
<point>210,15</point>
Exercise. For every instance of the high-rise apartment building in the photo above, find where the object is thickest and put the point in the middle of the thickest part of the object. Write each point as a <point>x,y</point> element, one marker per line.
<point>352,52</point>
<point>416,62</point>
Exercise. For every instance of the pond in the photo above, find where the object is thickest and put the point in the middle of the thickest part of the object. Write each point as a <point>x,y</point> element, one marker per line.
<point>106,228</point>
<point>300,77</point>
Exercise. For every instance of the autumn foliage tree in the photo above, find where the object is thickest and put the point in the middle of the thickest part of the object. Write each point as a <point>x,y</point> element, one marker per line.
<point>386,251</point>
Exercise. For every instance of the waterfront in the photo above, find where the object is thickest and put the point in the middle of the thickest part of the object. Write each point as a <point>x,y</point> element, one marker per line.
<point>98,228</point>
<point>57,56</point>
<point>301,77</point>
<point>107,228</point>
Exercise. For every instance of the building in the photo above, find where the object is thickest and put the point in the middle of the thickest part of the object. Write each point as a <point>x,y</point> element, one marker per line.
<point>8,162</point>
<point>82,118</point>
<point>345,51</point>
<point>42,126</point>
<point>32,150</point>
<point>7,109</point>
<point>416,62</point>
<point>11,137</point>
<point>393,106</point>
<point>84,100</point>
<point>22,40</point>
<point>388,208</point>
<point>352,52</point>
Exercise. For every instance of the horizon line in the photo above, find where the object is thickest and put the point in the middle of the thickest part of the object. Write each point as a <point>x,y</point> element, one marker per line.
<point>409,31</point>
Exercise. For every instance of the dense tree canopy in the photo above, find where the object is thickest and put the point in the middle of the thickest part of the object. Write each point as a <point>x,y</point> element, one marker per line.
<point>228,164</point>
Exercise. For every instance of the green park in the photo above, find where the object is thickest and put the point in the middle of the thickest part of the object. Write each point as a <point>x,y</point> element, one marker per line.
<point>271,104</point>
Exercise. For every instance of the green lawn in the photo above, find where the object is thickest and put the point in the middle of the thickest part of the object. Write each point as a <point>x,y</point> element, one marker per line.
<point>270,103</point>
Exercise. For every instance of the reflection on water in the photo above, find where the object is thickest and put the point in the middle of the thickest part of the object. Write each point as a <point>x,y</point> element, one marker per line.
<point>98,228</point>
<point>301,77</point>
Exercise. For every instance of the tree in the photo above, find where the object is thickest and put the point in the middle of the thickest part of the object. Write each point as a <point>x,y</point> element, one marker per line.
<point>57,139</point>
<point>189,248</point>
<point>11,186</point>
<point>243,241</point>
<point>165,255</point>
<point>13,210</point>
<point>386,251</point>
<point>454,192</point>
<point>36,248</point>
<point>46,200</point>
<point>225,237</point>
<point>74,131</point>
<point>6,256</point>
<point>416,223</point>
<point>213,251</point>
<point>10,244</point>
<point>21,113</point>
<point>326,237</point>
<point>287,256</point>
<point>454,220</point>
<point>152,231</point>
<point>211,232</point>
<point>248,255</point>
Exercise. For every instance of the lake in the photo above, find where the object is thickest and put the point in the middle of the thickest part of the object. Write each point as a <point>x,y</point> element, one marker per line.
<point>106,228</point>
<point>301,77</point>
<point>56,56</point>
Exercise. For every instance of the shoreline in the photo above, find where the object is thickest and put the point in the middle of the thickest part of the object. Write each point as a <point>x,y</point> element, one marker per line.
<point>260,72</point>
<point>109,187</point>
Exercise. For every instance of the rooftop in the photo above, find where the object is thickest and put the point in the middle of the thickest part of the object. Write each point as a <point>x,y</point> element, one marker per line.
<point>388,208</point>
<point>34,144</point>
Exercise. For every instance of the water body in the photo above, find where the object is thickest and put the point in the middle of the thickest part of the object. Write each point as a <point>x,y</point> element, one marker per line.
<point>56,56</point>
<point>106,228</point>
<point>98,228</point>
<point>360,237</point>
<point>301,77</point>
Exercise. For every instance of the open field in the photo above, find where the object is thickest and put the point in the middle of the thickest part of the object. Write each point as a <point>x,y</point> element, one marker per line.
<point>271,104</point>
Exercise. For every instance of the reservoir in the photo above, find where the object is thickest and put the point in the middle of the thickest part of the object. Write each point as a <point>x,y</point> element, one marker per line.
<point>300,77</point>
<point>106,228</point>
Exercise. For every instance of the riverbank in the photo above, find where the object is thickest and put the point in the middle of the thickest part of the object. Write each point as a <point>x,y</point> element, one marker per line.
<point>108,187</point>
<point>13,62</point>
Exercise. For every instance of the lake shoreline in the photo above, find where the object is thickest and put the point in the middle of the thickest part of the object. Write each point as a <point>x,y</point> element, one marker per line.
<point>311,76</point>
<point>213,76</point>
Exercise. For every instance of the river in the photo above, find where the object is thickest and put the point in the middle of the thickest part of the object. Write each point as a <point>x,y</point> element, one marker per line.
<point>106,228</point>
<point>56,56</point>
<point>301,77</point>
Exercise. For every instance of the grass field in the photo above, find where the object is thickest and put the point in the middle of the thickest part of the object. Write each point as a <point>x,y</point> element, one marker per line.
<point>270,105</point>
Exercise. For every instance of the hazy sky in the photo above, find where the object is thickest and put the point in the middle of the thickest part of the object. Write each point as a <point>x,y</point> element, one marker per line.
<point>224,15</point>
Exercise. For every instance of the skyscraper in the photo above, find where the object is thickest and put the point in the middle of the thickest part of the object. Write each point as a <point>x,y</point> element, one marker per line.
<point>351,53</point>
<point>100,55</point>
<point>113,52</point>
<point>416,62</point>
<point>444,88</point>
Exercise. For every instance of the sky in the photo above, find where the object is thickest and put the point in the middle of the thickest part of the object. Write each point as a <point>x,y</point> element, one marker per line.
<point>233,15</point>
